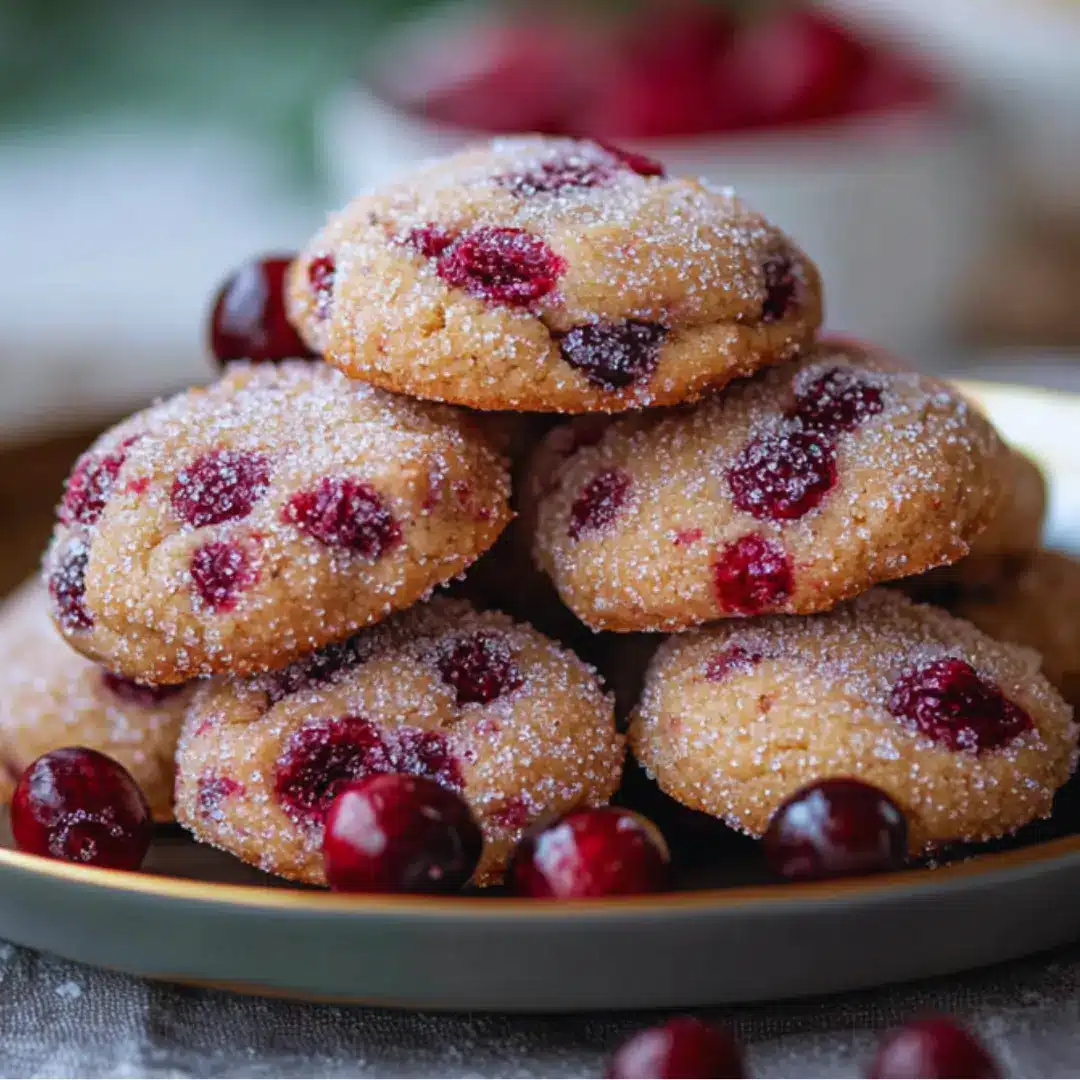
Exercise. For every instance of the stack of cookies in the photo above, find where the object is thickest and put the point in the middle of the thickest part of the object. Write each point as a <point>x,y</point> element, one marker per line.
<point>636,356</point>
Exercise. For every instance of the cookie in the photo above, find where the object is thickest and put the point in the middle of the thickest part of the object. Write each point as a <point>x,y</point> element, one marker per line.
<point>51,697</point>
<point>788,492</point>
<point>488,707</point>
<point>964,733</point>
<point>552,275</point>
<point>1038,607</point>
<point>238,527</point>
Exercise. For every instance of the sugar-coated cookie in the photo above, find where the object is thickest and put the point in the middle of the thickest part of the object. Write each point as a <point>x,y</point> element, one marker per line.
<point>488,707</point>
<point>552,275</point>
<point>963,732</point>
<point>238,527</point>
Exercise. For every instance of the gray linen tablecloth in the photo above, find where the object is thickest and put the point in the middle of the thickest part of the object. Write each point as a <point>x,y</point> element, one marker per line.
<point>59,1019</point>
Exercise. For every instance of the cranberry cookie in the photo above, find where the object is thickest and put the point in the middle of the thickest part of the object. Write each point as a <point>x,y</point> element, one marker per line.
<point>552,275</point>
<point>789,492</point>
<point>963,733</point>
<point>51,697</point>
<point>486,706</point>
<point>238,527</point>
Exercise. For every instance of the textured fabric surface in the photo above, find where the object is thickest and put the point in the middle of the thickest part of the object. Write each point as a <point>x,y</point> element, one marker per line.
<point>59,1020</point>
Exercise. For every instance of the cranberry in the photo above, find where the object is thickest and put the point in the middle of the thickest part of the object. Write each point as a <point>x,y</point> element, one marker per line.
<point>81,806</point>
<point>505,266</point>
<point>578,170</point>
<point>933,1047</point>
<point>399,833</point>
<point>90,484</point>
<point>222,485</point>
<point>429,240</point>
<point>325,754</point>
<point>782,476</point>
<point>839,399</point>
<point>781,287</point>
<point>599,503</point>
<point>67,587</point>
<point>220,572</point>
<point>138,693</point>
<point>951,703</point>
<point>212,790</point>
<point>344,513</point>
<point>248,319</point>
<point>605,851</point>
<point>321,273</point>
<point>683,1047</point>
<point>316,669</point>
<point>732,658</point>
<point>751,575</point>
<point>642,164</point>
<point>836,827</point>
<point>614,355</point>
<point>480,668</point>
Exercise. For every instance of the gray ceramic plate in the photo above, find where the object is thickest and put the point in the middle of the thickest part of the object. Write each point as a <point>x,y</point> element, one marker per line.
<point>201,917</point>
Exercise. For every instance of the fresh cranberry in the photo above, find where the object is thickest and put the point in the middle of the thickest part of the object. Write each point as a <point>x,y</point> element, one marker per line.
<point>951,703</point>
<point>222,485</point>
<point>90,484</point>
<point>67,587</point>
<point>836,827</point>
<point>839,399</point>
<point>81,806</point>
<point>248,319</point>
<point>781,288</point>
<point>344,513</point>
<point>729,659</point>
<point>399,834</point>
<point>220,572</point>
<point>782,476</point>
<point>480,668</point>
<point>614,355</point>
<point>212,790</point>
<point>138,693</point>
<point>325,754</point>
<point>599,503</point>
<point>321,273</point>
<point>604,851</point>
<point>752,575</point>
<point>429,240</point>
<point>503,265</point>
<point>683,1047</point>
<point>933,1047</point>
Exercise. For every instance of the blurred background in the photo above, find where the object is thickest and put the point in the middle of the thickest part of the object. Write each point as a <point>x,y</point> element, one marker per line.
<point>925,152</point>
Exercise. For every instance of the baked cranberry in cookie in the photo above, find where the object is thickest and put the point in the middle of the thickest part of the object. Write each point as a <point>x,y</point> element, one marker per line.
<point>488,708</point>
<point>237,527</point>
<point>552,275</point>
<point>788,492</point>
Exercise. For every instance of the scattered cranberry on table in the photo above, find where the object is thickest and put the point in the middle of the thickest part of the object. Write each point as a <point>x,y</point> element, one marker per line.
<point>78,805</point>
<point>603,851</point>
<point>833,828</point>
<point>395,833</point>
<point>683,1047</point>
<point>929,1048</point>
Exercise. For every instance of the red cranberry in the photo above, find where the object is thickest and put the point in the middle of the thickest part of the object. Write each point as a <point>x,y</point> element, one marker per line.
<point>782,476</point>
<point>505,266</point>
<point>683,1047</point>
<point>220,572</point>
<point>605,851</point>
<point>934,1047</point>
<point>248,319</point>
<point>752,575</point>
<point>90,484</point>
<point>951,703</point>
<point>321,273</point>
<point>316,669</point>
<point>559,174</point>
<point>599,503</point>
<point>480,668</point>
<point>429,240</point>
<point>222,485</point>
<point>614,355</point>
<point>732,658</point>
<point>781,288</point>
<point>399,834</point>
<point>344,513</point>
<point>642,164</point>
<point>836,827</point>
<point>67,587</point>
<point>138,693</point>
<point>81,806</point>
<point>212,790</point>
<point>839,399</point>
